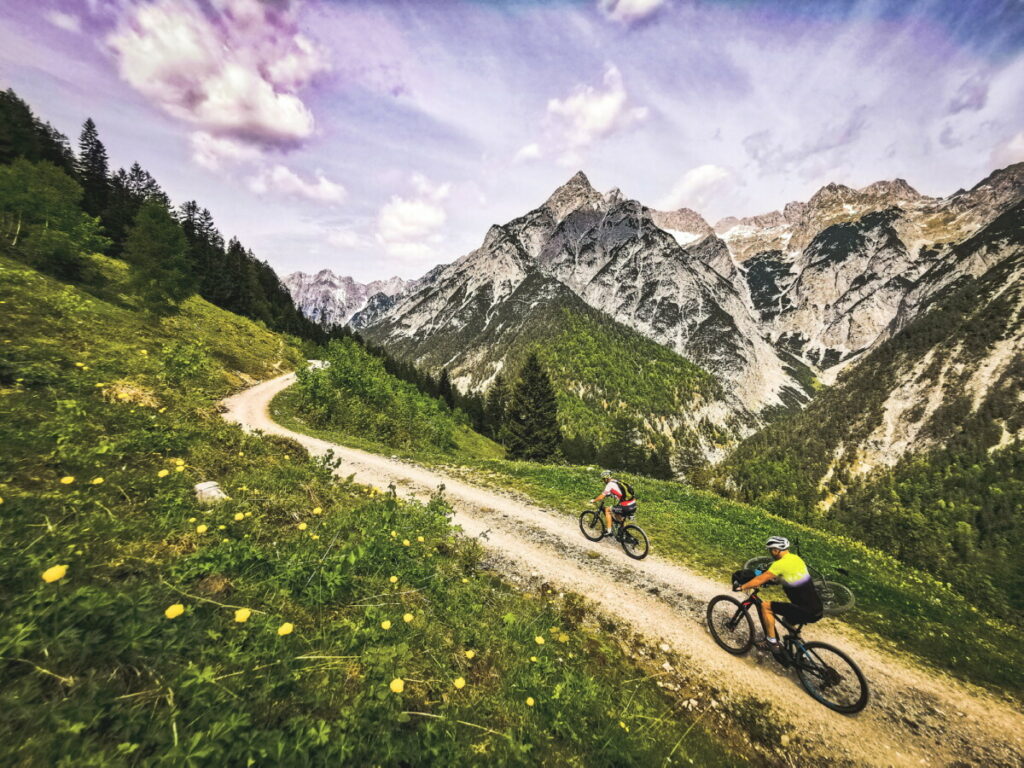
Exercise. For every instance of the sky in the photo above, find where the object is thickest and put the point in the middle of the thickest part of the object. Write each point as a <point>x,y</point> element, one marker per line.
<point>382,138</point>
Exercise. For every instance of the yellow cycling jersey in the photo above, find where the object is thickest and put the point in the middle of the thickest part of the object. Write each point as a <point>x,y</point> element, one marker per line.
<point>791,569</point>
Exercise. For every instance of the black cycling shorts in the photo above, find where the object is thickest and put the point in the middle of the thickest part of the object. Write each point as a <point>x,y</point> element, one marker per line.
<point>794,614</point>
<point>625,510</point>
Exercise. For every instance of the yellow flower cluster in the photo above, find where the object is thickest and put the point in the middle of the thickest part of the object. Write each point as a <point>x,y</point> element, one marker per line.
<point>397,685</point>
<point>174,611</point>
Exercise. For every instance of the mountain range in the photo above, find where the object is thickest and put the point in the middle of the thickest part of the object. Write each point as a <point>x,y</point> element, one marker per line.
<point>771,307</point>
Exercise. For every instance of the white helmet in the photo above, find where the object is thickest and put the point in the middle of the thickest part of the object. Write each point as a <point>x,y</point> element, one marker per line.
<point>606,474</point>
<point>777,542</point>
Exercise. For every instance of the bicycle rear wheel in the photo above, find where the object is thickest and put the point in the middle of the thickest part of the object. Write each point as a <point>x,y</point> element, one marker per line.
<point>836,597</point>
<point>730,624</point>
<point>634,541</point>
<point>591,525</point>
<point>831,677</point>
<point>760,563</point>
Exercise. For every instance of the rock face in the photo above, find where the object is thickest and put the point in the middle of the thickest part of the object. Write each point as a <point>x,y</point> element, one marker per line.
<point>610,254</point>
<point>331,300</point>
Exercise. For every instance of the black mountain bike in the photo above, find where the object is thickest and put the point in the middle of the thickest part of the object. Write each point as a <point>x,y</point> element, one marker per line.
<point>826,673</point>
<point>631,537</point>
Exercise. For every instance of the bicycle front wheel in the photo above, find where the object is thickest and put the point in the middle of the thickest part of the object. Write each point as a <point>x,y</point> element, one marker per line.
<point>591,525</point>
<point>831,677</point>
<point>634,542</point>
<point>730,624</point>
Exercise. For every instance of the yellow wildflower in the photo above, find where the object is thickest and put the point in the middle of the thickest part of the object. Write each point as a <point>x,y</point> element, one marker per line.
<point>539,639</point>
<point>470,654</point>
<point>242,615</point>
<point>394,534</point>
<point>563,638</point>
<point>623,726</point>
<point>239,516</point>
<point>241,453</point>
<point>314,536</point>
<point>529,701</point>
<point>100,385</point>
<point>67,480</point>
<point>248,514</point>
<point>405,542</point>
<point>386,624</point>
<point>163,473</point>
<point>465,580</point>
<point>97,481</point>
<point>203,528</point>
<point>420,539</point>
<point>174,611</point>
<point>407,618</point>
<point>179,462</point>
<point>397,685</point>
<point>303,526</point>
<point>533,658</point>
<point>54,573</point>
<point>459,682</point>
<point>192,519</point>
<point>285,629</point>
<point>80,365</point>
<point>221,527</point>
<point>393,579</point>
<point>179,469</point>
<point>317,511</point>
<point>225,540</point>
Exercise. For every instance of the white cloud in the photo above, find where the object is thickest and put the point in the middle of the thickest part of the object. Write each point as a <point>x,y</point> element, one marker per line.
<point>1009,152</point>
<point>345,239</point>
<point>282,180</point>
<point>590,114</point>
<point>408,228</point>
<point>697,187</point>
<point>627,11</point>
<point>66,21</point>
<point>232,67</point>
<point>215,153</point>
<point>528,153</point>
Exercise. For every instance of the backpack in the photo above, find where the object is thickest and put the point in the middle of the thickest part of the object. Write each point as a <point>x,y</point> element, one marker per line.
<point>627,491</point>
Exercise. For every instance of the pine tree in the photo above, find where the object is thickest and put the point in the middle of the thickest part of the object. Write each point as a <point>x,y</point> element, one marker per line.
<point>156,248</point>
<point>496,407</point>
<point>531,428</point>
<point>444,388</point>
<point>93,170</point>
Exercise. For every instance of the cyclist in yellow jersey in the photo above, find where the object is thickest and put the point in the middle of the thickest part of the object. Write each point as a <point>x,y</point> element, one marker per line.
<point>791,570</point>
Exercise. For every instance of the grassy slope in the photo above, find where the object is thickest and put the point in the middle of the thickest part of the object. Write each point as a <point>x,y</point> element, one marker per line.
<point>91,671</point>
<point>898,606</point>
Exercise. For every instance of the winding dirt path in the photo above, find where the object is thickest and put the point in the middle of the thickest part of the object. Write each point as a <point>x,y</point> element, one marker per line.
<point>915,717</point>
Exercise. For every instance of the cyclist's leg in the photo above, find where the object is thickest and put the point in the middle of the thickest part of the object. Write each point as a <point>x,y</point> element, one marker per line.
<point>608,517</point>
<point>769,619</point>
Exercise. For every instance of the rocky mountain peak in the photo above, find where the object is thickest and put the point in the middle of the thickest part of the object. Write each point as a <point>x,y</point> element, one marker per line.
<point>832,194</point>
<point>893,191</point>
<point>682,220</point>
<point>576,193</point>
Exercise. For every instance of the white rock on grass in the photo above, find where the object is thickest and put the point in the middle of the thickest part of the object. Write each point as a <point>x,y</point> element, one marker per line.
<point>210,493</point>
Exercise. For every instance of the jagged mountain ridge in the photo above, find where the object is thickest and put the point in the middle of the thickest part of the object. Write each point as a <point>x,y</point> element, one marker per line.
<point>608,252</point>
<point>331,300</point>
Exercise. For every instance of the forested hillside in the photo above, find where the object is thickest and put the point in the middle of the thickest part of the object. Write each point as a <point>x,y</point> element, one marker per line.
<point>944,392</point>
<point>56,206</point>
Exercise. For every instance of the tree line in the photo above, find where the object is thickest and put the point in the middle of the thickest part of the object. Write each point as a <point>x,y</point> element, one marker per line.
<point>57,205</point>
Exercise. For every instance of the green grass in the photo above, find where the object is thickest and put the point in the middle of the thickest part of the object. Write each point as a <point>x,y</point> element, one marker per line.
<point>898,607</point>
<point>92,672</point>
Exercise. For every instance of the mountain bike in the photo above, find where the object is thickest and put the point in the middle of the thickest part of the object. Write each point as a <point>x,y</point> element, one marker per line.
<point>835,597</point>
<point>826,673</point>
<point>632,537</point>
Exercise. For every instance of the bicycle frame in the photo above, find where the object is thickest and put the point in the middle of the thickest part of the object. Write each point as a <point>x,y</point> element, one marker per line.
<point>790,643</point>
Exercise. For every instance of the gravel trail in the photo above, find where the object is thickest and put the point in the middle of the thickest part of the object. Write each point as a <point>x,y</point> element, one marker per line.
<point>915,717</point>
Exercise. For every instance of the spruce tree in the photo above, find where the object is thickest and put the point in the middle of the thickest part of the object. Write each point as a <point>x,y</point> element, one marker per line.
<point>156,248</point>
<point>496,406</point>
<point>444,388</point>
<point>92,170</point>
<point>531,428</point>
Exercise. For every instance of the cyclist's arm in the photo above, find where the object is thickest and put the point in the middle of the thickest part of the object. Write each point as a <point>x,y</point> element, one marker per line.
<point>599,499</point>
<point>757,581</point>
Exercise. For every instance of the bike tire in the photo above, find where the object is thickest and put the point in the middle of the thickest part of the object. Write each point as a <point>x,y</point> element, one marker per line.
<point>818,663</point>
<point>723,610</point>
<point>634,541</point>
<point>591,525</point>
<point>836,597</point>
<point>759,563</point>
